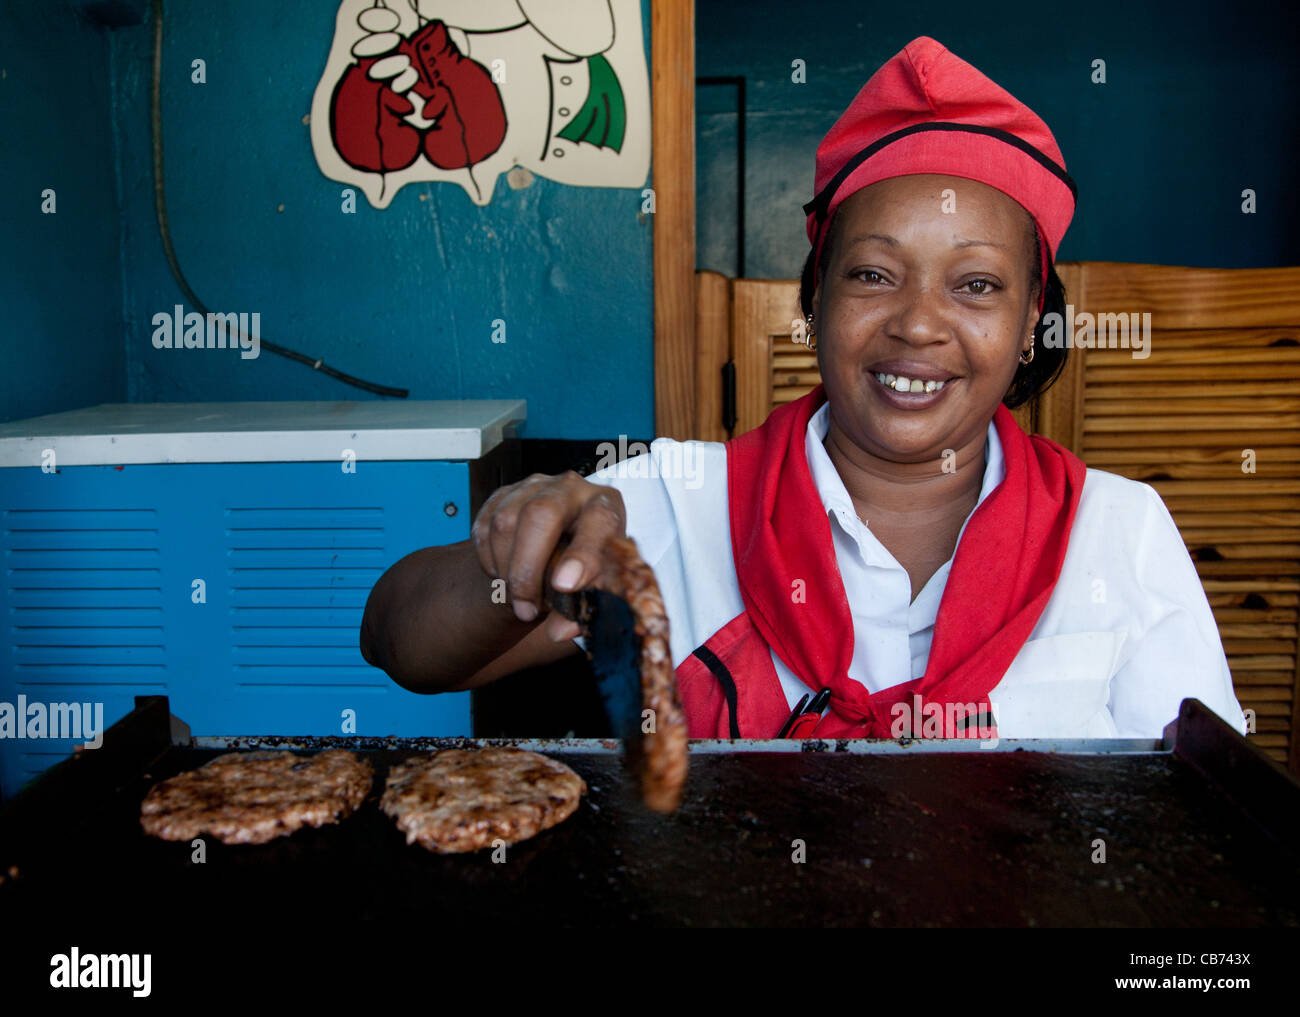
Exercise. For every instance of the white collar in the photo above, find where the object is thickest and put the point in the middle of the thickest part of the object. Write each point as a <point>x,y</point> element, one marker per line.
<point>830,485</point>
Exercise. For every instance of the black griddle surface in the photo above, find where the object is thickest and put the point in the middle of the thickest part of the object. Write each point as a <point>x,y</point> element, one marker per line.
<point>943,839</point>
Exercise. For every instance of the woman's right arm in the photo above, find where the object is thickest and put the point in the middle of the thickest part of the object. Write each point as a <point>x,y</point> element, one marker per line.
<point>439,620</point>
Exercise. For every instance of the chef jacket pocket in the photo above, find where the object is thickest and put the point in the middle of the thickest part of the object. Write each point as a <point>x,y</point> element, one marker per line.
<point>1058,687</point>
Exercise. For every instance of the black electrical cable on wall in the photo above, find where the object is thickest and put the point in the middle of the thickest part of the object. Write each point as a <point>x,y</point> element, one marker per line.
<point>164,231</point>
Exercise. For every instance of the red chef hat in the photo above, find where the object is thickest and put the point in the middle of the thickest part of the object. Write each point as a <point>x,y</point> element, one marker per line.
<point>929,111</point>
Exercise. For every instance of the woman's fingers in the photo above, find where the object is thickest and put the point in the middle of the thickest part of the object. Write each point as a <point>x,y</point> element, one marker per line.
<point>560,629</point>
<point>494,529</point>
<point>481,532</point>
<point>602,518</point>
<point>538,527</point>
<point>519,527</point>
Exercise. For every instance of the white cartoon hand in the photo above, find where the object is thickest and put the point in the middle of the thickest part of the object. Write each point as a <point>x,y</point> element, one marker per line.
<point>395,70</point>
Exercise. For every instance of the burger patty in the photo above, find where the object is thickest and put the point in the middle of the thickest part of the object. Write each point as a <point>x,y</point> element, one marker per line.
<point>254,797</point>
<point>464,800</point>
<point>663,758</point>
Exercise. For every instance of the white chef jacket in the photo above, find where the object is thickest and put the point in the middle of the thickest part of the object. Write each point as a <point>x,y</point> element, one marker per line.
<point>1126,635</point>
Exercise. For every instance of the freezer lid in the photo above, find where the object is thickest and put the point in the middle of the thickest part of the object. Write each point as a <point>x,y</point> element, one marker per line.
<point>114,434</point>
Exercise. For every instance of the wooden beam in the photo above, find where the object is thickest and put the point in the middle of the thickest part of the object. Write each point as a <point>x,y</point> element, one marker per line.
<point>713,344</point>
<point>672,46</point>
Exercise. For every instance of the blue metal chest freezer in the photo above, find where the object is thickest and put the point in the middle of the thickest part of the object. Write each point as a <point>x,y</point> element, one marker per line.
<point>221,554</point>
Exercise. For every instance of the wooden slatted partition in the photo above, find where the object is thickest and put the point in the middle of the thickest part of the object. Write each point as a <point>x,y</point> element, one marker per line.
<point>1221,384</point>
<point>762,311</point>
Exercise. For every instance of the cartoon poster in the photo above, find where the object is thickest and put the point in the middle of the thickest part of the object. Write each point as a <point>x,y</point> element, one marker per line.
<point>463,90</point>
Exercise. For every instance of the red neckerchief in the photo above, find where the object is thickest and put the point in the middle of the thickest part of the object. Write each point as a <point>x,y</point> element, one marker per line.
<point>1002,575</point>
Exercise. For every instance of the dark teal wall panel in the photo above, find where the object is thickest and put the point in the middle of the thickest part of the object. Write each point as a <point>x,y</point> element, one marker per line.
<point>60,275</point>
<point>1202,100</point>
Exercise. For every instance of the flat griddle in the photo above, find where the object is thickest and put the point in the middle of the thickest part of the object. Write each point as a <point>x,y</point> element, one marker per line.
<point>1198,831</point>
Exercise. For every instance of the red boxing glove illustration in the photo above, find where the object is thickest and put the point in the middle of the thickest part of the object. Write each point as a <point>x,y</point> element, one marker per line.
<point>465,91</point>
<point>367,123</point>
<point>377,128</point>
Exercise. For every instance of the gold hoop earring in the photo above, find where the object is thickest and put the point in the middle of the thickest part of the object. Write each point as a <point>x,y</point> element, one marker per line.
<point>1030,359</point>
<point>812,335</point>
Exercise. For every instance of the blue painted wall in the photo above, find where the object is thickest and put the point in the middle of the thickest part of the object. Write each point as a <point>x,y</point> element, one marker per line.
<point>404,296</point>
<point>1202,100</point>
<point>60,274</point>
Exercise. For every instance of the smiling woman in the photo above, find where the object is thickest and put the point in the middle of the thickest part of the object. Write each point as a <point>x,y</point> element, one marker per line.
<point>891,548</point>
<point>1035,371</point>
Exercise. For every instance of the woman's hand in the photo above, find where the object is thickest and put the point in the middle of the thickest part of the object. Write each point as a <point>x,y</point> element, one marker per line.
<point>520,526</point>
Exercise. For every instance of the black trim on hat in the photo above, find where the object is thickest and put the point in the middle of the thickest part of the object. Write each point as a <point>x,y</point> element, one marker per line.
<point>822,201</point>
